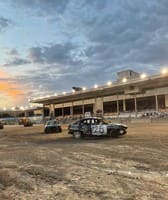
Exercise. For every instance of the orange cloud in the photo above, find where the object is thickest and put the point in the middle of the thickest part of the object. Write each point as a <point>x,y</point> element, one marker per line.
<point>11,92</point>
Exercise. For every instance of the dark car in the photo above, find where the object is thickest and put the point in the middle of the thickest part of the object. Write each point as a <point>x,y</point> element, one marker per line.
<point>1,125</point>
<point>94,126</point>
<point>52,126</point>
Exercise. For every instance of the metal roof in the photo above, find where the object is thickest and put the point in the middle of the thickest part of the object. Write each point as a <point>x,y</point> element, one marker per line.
<point>151,82</point>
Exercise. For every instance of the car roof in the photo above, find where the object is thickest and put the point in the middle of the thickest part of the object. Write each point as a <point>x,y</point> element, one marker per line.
<point>52,120</point>
<point>91,118</point>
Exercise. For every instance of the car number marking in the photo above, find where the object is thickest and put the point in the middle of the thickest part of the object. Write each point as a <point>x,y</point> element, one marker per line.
<point>99,129</point>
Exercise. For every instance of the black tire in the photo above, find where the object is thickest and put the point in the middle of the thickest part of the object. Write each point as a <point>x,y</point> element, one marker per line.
<point>60,129</point>
<point>46,131</point>
<point>114,134</point>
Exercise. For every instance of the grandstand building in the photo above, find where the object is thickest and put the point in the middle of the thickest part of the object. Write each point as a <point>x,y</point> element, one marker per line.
<point>131,93</point>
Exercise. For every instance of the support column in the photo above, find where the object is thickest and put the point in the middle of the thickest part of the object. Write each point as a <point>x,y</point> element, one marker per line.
<point>135,100</point>
<point>118,106</point>
<point>26,114</point>
<point>83,109</point>
<point>124,105</point>
<point>98,106</point>
<point>62,110</point>
<point>166,101</point>
<point>71,110</point>
<point>52,111</point>
<point>156,100</point>
<point>43,114</point>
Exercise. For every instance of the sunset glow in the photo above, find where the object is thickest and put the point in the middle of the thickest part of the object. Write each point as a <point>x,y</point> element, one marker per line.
<point>49,46</point>
<point>11,93</point>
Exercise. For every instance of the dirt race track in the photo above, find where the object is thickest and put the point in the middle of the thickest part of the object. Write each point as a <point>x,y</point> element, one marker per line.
<point>36,166</point>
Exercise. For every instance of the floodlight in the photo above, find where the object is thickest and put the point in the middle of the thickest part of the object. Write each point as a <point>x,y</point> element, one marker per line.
<point>95,86</point>
<point>124,80</point>
<point>109,83</point>
<point>142,76</point>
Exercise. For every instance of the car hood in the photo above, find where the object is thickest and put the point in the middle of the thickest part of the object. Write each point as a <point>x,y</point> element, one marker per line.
<point>119,124</point>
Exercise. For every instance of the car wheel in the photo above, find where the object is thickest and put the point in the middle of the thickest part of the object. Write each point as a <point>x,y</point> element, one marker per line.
<point>77,135</point>
<point>46,131</point>
<point>114,134</point>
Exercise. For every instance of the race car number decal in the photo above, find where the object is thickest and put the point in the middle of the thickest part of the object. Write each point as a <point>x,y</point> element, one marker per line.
<point>99,129</point>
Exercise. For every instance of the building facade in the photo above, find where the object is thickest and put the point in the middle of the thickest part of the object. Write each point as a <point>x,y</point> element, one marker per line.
<point>134,95</point>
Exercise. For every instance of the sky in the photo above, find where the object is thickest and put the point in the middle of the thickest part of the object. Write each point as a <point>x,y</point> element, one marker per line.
<point>48,46</point>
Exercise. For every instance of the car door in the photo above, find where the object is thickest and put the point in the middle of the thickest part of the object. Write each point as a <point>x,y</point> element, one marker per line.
<point>55,126</point>
<point>85,126</point>
<point>98,128</point>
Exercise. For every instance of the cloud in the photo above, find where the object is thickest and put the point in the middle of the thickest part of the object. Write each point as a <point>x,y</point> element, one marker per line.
<point>42,7</point>
<point>16,62</point>
<point>129,33</point>
<point>11,91</point>
<point>93,40</point>
<point>53,54</point>
<point>12,52</point>
<point>36,55</point>
<point>4,23</point>
<point>98,4</point>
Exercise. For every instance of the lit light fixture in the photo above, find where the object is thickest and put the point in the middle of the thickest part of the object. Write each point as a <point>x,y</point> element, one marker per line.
<point>4,109</point>
<point>164,71</point>
<point>73,91</point>
<point>109,83</point>
<point>21,108</point>
<point>64,93</point>
<point>124,80</point>
<point>13,108</point>
<point>142,76</point>
<point>95,86</point>
<point>84,88</point>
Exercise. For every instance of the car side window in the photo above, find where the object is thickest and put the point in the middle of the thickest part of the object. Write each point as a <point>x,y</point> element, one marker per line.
<point>51,123</point>
<point>93,122</point>
<point>48,123</point>
<point>84,122</point>
<point>88,121</point>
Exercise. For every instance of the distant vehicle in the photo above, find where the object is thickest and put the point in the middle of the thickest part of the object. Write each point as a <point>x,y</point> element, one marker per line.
<point>52,126</point>
<point>26,122</point>
<point>1,125</point>
<point>94,126</point>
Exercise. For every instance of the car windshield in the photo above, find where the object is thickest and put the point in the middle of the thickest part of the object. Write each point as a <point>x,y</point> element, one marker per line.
<point>49,123</point>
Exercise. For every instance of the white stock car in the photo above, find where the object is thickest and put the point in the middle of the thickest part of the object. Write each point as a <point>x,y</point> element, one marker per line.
<point>94,126</point>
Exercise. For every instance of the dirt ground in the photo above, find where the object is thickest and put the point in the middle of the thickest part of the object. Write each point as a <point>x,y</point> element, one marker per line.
<point>37,166</point>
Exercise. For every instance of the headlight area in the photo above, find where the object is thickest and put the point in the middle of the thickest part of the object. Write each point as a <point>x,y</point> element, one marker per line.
<point>122,131</point>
